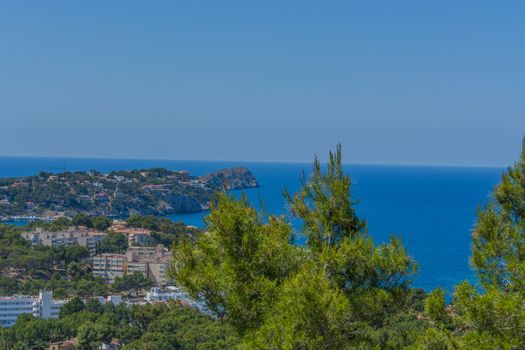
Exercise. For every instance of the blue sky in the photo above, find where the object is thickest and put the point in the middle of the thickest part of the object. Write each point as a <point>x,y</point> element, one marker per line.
<point>396,82</point>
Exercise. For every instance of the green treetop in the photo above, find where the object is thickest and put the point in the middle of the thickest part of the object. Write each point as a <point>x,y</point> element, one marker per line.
<point>335,293</point>
<point>499,238</point>
<point>494,317</point>
<point>324,204</point>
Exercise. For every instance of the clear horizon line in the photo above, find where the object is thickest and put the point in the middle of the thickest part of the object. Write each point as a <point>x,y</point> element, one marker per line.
<point>260,161</point>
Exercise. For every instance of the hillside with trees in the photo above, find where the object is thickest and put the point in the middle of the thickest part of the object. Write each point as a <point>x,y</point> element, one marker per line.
<point>120,193</point>
<point>66,269</point>
<point>26,269</point>
<point>148,327</point>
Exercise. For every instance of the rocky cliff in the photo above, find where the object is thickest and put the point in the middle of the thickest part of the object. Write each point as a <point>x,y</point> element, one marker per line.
<point>233,178</point>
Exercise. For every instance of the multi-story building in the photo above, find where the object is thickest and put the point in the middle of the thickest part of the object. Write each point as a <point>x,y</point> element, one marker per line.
<point>111,299</point>
<point>140,252</point>
<point>156,294</point>
<point>42,306</point>
<point>158,269</point>
<point>74,235</point>
<point>136,236</point>
<point>151,262</point>
<point>137,266</point>
<point>155,259</point>
<point>109,266</point>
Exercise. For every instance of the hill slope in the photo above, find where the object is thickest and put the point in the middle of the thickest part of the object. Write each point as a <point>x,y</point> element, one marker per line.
<point>155,191</point>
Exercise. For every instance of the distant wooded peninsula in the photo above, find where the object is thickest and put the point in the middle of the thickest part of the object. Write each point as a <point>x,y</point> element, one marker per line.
<point>155,191</point>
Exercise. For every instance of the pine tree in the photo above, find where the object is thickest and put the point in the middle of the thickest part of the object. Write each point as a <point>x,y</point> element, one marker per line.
<point>494,317</point>
<point>339,291</point>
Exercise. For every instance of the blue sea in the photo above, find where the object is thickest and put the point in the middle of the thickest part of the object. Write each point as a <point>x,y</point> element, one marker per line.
<point>433,209</point>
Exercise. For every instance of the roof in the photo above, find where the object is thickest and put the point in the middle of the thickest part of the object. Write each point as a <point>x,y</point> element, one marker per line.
<point>72,341</point>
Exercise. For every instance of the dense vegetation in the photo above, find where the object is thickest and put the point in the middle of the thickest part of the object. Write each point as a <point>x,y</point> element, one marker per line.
<point>26,270</point>
<point>340,291</point>
<point>65,269</point>
<point>493,316</point>
<point>114,242</point>
<point>119,193</point>
<point>100,223</point>
<point>61,223</point>
<point>163,230</point>
<point>132,283</point>
<point>343,292</point>
<point>148,327</point>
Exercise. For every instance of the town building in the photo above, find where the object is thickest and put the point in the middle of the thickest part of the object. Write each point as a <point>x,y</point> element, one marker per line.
<point>136,236</point>
<point>151,262</point>
<point>70,344</point>
<point>42,306</point>
<point>158,269</point>
<point>140,252</point>
<point>113,345</point>
<point>109,266</point>
<point>73,235</point>
<point>111,299</point>
<point>158,295</point>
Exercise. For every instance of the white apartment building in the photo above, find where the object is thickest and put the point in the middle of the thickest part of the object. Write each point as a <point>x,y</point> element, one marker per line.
<point>42,306</point>
<point>158,295</point>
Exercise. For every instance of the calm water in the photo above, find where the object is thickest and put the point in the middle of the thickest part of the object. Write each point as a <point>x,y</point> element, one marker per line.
<point>432,208</point>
